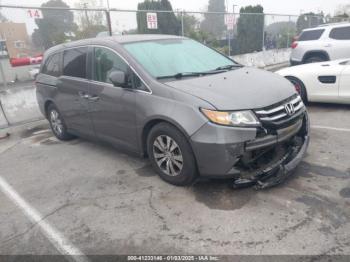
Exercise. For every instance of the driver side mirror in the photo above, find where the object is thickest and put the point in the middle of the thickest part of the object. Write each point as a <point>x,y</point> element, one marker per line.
<point>118,78</point>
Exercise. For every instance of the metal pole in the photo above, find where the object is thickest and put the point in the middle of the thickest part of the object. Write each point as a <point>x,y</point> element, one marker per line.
<point>108,18</point>
<point>263,34</point>
<point>86,14</point>
<point>5,87</point>
<point>3,75</point>
<point>227,28</point>
<point>182,23</point>
<point>288,43</point>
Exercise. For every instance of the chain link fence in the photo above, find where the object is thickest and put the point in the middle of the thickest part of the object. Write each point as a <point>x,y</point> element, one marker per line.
<point>29,31</point>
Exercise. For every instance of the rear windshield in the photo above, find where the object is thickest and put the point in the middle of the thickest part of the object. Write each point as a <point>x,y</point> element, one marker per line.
<point>311,35</point>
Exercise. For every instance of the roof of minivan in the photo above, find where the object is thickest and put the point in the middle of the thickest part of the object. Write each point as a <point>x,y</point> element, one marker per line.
<point>330,25</point>
<point>119,39</point>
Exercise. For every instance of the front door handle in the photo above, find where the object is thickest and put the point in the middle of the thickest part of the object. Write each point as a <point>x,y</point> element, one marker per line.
<point>83,95</point>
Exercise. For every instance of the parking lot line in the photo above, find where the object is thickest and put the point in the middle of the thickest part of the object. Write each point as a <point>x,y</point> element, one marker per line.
<point>331,128</point>
<point>55,237</point>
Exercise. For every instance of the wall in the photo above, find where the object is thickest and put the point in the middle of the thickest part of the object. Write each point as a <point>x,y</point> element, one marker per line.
<point>264,58</point>
<point>11,73</point>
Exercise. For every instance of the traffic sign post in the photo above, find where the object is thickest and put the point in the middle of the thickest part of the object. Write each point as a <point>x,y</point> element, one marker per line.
<point>230,24</point>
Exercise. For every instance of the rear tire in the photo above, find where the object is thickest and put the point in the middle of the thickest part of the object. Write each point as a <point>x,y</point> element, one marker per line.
<point>299,87</point>
<point>171,155</point>
<point>57,124</point>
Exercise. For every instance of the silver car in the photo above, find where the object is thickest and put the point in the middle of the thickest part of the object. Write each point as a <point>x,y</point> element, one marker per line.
<point>191,110</point>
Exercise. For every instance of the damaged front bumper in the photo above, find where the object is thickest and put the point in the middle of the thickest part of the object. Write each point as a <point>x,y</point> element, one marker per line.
<point>277,172</point>
<point>250,158</point>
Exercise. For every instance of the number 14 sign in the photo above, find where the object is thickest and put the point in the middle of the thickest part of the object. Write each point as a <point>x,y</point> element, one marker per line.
<point>34,13</point>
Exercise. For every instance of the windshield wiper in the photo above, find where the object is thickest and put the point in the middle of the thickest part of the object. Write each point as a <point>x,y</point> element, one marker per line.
<point>180,75</point>
<point>227,67</point>
<point>189,74</point>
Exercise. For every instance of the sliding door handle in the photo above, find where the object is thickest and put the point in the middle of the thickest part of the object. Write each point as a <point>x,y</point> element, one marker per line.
<point>94,98</point>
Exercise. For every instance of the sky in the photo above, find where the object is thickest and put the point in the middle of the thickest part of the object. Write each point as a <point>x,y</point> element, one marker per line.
<point>125,21</point>
<point>270,6</point>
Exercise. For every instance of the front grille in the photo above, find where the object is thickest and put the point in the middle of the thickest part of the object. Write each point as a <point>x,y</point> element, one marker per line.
<point>277,115</point>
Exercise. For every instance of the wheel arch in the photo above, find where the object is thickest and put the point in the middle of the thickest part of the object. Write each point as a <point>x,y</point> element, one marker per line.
<point>46,106</point>
<point>292,77</point>
<point>309,54</point>
<point>155,121</point>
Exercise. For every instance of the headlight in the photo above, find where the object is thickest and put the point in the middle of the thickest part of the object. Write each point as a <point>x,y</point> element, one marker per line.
<point>244,118</point>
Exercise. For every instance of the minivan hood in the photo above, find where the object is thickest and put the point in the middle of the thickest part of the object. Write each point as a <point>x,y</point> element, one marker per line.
<point>244,88</point>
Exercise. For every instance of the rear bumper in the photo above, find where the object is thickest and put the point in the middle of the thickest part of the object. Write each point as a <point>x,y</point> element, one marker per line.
<point>219,151</point>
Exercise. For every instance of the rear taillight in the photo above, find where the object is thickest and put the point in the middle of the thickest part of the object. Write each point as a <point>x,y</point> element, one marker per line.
<point>294,45</point>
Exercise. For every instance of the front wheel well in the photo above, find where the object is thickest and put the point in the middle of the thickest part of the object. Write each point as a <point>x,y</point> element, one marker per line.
<point>304,94</point>
<point>147,128</point>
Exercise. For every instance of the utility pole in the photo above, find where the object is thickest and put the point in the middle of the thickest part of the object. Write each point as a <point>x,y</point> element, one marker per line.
<point>86,14</point>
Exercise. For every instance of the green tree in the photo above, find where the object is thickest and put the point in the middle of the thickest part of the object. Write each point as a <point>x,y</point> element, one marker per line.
<point>280,34</point>
<point>250,29</point>
<point>90,23</point>
<point>309,20</point>
<point>214,24</point>
<point>56,26</point>
<point>167,21</point>
<point>190,23</point>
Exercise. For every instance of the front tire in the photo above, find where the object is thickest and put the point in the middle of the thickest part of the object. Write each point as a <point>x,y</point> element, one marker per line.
<point>57,124</point>
<point>171,155</point>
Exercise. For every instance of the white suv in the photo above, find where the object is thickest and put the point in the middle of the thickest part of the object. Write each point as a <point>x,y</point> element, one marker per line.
<point>322,43</point>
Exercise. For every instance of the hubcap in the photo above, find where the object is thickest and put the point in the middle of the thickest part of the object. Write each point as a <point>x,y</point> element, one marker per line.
<point>167,155</point>
<point>56,122</point>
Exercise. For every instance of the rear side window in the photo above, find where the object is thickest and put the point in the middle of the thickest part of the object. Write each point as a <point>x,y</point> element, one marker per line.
<point>74,62</point>
<point>340,33</point>
<point>52,65</point>
<point>311,35</point>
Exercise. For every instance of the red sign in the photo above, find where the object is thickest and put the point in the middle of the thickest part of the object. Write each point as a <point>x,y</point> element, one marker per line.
<point>230,21</point>
<point>152,21</point>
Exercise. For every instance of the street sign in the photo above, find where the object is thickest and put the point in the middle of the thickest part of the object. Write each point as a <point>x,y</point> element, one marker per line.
<point>152,21</point>
<point>230,21</point>
<point>34,13</point>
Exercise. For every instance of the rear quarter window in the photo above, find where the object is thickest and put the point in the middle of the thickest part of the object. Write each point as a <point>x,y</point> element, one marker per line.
<point>74,62</point>
<point>311,35</point>
<point>52,65</point>
<point>340,33</point>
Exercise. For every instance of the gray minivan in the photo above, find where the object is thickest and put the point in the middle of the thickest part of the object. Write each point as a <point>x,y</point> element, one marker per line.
<point>191,110</point>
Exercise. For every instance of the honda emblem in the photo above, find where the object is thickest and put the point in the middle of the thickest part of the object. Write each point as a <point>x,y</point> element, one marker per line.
<point>290,110</point>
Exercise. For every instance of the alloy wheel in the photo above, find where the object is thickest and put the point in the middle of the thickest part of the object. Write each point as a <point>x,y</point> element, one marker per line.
<point>56,122</point>
<point>167,155</point>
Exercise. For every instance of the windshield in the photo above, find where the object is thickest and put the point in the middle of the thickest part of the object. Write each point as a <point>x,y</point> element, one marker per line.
<point>173,56</point>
